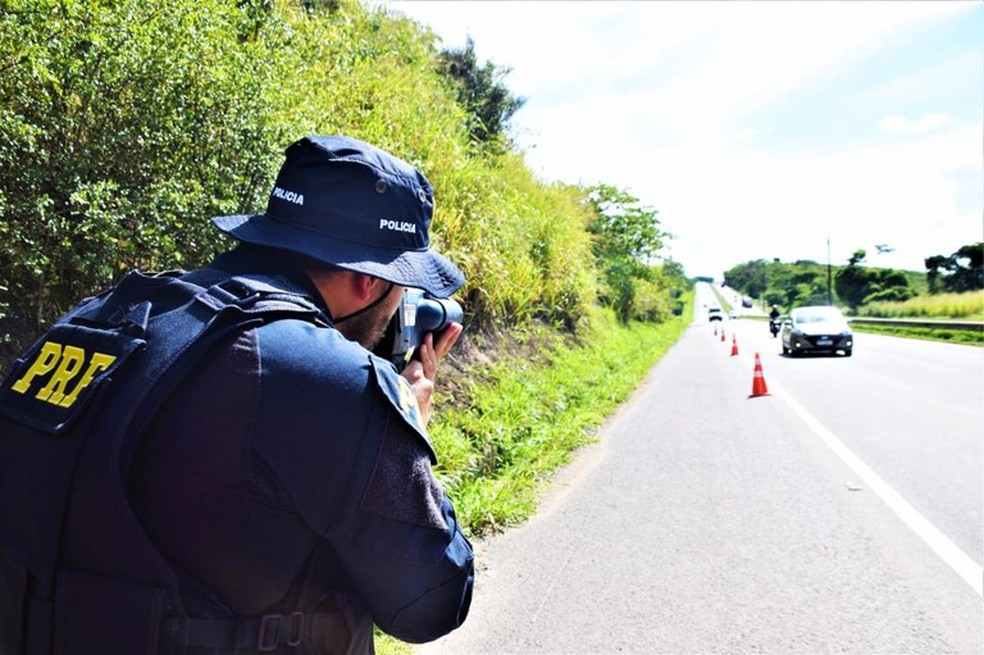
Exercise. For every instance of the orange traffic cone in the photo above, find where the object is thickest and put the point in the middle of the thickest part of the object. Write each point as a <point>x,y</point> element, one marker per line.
<point>722,334</point>
<point>758,381</point>
<point>734,345</point>
<point>715,329</point>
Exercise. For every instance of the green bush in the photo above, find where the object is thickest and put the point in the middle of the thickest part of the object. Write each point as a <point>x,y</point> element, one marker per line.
<point>124,126</point>
<point>120,131</point>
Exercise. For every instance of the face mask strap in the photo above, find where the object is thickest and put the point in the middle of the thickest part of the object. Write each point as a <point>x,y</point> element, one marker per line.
<point>365,309</point>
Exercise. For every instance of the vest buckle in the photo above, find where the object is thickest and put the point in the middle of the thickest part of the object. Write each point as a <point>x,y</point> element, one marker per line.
<point>276,630</point>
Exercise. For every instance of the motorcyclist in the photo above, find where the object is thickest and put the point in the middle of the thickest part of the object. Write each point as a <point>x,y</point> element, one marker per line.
<point>774,320</point>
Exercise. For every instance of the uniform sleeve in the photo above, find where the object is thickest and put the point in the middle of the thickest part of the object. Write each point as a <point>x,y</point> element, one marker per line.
<point>404,549</point>
<point>341,432</point>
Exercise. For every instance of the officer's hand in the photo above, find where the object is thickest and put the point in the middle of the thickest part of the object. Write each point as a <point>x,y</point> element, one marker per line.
<point>421,374</point>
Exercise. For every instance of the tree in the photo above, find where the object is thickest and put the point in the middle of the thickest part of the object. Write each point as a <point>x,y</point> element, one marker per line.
<point>857,257</point>
<point>778,283</point>
<point>481,92</point>
<point>936,267</point>
<point>858,285</point>
<point>961,271</point>
<point>804,282</point>
<point>749,278</point>
<point>627,237</point>
<point>112,132</point>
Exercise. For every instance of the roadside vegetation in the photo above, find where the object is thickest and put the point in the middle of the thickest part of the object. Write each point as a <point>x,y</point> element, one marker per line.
<point>966,306</point>
<point>951,335</point>
<point>125,126</point>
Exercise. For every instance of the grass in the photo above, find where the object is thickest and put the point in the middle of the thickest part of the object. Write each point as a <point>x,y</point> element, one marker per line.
<point>971,337</point>
<point>967,306</point>
<point>519,419</point>
<point>725,305</point>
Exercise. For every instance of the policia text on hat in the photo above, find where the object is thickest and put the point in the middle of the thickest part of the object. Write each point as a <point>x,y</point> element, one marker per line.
<point>215,462</point>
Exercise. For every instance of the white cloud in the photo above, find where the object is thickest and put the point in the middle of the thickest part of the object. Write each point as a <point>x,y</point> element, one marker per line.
<point>732,205</point>
<point>899,124</point>
<point>656,97</point>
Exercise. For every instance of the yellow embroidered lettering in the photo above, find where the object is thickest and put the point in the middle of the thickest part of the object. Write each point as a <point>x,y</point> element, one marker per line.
<point>47,358</point>
<point>99,362</point>
<point>69,366</point>
<point>64,363</point>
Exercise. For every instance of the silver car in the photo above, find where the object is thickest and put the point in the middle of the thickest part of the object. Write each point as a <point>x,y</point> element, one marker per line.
<point>816,329</point>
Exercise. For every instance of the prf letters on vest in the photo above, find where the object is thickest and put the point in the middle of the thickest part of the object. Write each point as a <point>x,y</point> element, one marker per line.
<point>64,363</point>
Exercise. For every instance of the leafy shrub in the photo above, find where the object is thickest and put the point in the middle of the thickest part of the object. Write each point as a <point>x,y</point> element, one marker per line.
<point>121,127</point>
<point>124,126</point>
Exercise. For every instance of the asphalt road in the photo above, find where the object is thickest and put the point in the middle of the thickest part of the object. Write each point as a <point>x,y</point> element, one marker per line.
<point>841,513</point>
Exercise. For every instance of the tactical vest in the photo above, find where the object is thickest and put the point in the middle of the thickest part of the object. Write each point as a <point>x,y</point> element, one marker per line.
<point>72,413</point>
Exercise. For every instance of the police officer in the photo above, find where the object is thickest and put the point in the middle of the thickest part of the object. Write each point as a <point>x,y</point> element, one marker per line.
<point>286,480</point>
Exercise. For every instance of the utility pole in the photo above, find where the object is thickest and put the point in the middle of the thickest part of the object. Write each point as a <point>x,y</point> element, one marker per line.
<point>830,295</point>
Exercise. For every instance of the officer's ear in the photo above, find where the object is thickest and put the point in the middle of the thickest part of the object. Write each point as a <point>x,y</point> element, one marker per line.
<point>341,290</point>
<point>367,287</point>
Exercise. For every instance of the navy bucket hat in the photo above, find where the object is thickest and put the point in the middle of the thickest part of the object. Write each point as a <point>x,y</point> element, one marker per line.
<point>347,203</point>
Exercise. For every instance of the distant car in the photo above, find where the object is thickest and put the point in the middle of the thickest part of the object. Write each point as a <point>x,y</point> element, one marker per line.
<point>715,314</point>
<point>732,314</point>
<point>816,329</point>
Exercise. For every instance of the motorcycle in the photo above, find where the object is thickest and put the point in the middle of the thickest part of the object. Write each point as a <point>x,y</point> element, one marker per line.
<point>774,327</point>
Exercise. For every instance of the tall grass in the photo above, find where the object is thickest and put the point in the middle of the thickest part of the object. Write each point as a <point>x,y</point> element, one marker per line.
<point>965,306</point>
<point>213,92</point>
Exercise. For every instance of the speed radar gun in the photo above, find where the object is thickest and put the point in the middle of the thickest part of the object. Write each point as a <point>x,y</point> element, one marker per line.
<point>419,313</point>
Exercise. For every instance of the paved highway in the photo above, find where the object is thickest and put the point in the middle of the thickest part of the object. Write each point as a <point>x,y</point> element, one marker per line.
<point>840,513</point>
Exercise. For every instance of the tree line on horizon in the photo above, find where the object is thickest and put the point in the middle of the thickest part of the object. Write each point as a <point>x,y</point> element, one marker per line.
<point>854,285</point>
<point>125,126</point>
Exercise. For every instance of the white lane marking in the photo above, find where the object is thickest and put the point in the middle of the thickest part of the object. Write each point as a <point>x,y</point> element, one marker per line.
<point>969,570</point>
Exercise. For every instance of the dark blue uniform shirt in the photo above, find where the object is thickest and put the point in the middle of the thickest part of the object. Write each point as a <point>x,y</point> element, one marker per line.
<point>290,472</point>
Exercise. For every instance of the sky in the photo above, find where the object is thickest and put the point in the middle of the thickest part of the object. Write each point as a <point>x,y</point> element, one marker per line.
<point>756,130</point>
